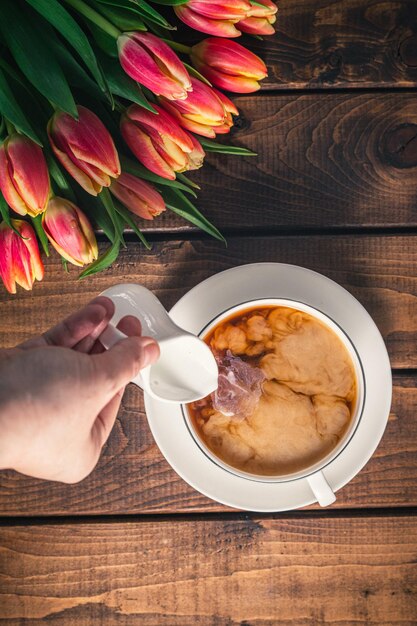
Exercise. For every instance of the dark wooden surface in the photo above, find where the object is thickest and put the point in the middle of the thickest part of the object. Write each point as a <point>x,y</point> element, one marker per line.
<point>334,188</point>
<point>226,572</point>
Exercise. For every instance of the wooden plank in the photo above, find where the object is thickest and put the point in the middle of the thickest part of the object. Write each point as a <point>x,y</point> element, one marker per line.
<point>289,571</point>
<point>379,271</point>
<point>132,476</point>
<point>324,160</point>
<point>350,43</point>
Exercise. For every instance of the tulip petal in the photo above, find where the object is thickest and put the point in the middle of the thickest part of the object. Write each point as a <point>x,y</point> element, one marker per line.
<point>196,157</point>
<point>229,57</point>
<point>162,123</point>
<point>256,26</point>
<point>231,10</point>
<point>164,55</point>
<point>142,147</point>
<point>29,172</point>
<point>70,232</point>
<point>82,179</point>
<point>236,84</point>
<point>6,259</point>
<point>220,28</point>
<point>227,103</point>
<point>269,9</point>
<point>6,185</point>
<point>194,127</point>
<point>138,196</point>
<point>31,244</point>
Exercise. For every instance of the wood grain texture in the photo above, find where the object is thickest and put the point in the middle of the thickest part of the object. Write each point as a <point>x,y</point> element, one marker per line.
<point>324,160</point>
<point>349,43</point>
<point>132,476</point>
<point>379,271</point>
<point>291,572</point>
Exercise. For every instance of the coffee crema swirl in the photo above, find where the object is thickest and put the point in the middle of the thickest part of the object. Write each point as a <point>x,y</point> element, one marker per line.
<point>306,402</point>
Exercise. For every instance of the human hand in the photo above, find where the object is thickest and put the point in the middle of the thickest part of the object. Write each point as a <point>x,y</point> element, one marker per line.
<point>60,393</point>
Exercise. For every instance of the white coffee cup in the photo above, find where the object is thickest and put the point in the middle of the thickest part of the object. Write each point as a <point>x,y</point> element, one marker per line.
<point>314,473</point>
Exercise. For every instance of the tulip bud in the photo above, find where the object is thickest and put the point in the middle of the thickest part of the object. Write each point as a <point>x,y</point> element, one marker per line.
<point>260,19</point>
<point>24,179</point>
<point>159,142</point>
<point>202,112</point>
<point>230,109</point>
<point>69,232</point>
<point>215,18</point>
<point>85,148</point>
<point>151,62</point>
<point>228,65</point>
<point>138,196</point>
<point>20,261</point>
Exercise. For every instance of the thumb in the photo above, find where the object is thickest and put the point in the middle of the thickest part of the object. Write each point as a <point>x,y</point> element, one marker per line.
<point>116,367</point>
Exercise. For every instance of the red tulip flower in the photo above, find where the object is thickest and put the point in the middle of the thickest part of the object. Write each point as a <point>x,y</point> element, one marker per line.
<point>203,112</point>
<point>85,148</point>
<point>159,142</point>
<point>20,261</point>
<point>70,232</point>
<point>228,65</point>
<point>260,19</point>
<point>138,196</point>
<point>24,179</point>
<point>151,62</point>
<point>216,17</point>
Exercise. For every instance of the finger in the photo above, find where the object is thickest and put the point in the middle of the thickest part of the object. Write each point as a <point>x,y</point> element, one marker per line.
<point>116,367</point>
<point>129,325</point>
<point>104,422</point>
<point>76,327</point>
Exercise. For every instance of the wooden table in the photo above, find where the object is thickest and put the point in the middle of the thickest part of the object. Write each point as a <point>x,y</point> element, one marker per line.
<point>334,189</point>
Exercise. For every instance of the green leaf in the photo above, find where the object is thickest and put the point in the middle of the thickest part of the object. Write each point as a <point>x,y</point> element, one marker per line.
<point>93,208</point>
<point>64,23</point>
<point>5,213</point>
<point>138,170</point>
<point>122,85</point>
<point>213,146</point>
<point>179,204</point>
<point>170,2</point>
<point>140,7</point>
<point>59,178</point>
<point>26,35</point>
<point>196,74</point>
<point>11,110</point>
<point>37,223</point>
<point>107,201</point>
<point>75,73</point>
<point>126,215</point>
<point>105,260</point>
<point>123,18</point>
<point>187,181</point>
<point>106,42</point>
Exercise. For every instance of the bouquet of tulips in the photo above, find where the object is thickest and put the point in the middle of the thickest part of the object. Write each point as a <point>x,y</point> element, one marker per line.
<point>101,113</point>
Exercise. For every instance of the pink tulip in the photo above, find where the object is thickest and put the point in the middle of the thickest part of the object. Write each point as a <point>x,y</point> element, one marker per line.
<point>20,261</point>
<point>230,109</point>
<point>228,65</point>
<point>202,112</point>
<point>138,196</point>
<point>70,232</point>
<point>151,62</point>
<point>215,18</point>
<point>159,142</point>
<point>24,179</point>
<point>260,19</point>
<point>85,148</point>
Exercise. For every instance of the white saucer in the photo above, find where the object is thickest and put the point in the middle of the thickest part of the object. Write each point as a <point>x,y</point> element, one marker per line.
<point>275,280</point>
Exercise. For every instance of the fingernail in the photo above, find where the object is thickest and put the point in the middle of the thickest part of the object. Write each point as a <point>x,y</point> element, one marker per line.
<point>150,351</point>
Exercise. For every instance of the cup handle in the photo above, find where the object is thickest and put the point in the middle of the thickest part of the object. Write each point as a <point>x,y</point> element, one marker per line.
<point>108,338</point>
<point>321,489</point>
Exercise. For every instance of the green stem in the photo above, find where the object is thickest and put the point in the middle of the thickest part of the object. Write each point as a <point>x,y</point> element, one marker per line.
<point>179,47</point>
<point>9,126</point>
<point>95,17</point>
